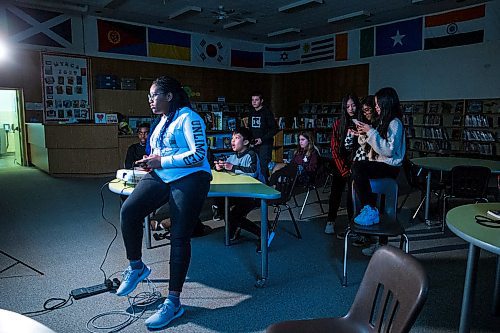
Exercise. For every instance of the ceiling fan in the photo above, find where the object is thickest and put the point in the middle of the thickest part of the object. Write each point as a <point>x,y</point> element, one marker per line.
<point>222,15</point>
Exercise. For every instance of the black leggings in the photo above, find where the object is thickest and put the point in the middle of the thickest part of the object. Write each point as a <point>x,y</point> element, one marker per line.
<point>338,186</point>
<point>185,197</point>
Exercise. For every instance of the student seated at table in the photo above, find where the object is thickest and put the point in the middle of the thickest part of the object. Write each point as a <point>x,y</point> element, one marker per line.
<point>305,160</point>
<point>243,162</point>
<point>137,151</point>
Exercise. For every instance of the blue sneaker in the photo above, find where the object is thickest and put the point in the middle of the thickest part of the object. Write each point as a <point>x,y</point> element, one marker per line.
<point>131,278</point>
<point>165,314</point>
<point>367,216</point>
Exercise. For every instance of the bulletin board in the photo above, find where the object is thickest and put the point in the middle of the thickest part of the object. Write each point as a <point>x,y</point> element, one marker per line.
<point>66,87</point>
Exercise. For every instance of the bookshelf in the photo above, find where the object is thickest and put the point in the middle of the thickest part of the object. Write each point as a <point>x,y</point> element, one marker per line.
<point>452,127</point>
<point>221,120</point>
<point>318,118</point>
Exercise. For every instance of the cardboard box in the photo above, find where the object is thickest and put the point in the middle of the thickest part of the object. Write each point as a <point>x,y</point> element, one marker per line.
<point>128,84</point>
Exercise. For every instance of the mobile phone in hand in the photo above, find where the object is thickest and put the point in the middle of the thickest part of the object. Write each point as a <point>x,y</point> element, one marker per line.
<point>356,122</point>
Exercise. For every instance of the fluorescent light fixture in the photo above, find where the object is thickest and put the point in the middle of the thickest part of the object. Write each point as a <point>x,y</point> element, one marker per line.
<point>349,16</point>
<point>283,32</point>
<point>416,1</point>
<point>55,5</point>
<point>234,24</point>
<point>184,11</point>
<point>298,5</point>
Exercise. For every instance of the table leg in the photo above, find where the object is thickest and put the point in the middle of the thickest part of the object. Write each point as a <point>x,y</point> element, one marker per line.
<point>427,197</point>
<point>226,221</point>
<point>469,288</point>
<point>147,231</point>
<point>263,244</point>
<point>496,292</point>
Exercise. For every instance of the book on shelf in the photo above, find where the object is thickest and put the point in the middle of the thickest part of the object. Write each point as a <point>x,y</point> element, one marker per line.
<point>209,121</point>
<point>204,107</point>
<point>215,107</point>
<point>281,123</point>
<point>475,106</point>
<point>306,108</point>
<point>226,142</point>
<point>231,123</point>
<point>217,116</point>
<point>212,142</point>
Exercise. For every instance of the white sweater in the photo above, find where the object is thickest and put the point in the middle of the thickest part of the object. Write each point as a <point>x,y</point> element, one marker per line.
<point>183,148</point>
<point>391,150</point>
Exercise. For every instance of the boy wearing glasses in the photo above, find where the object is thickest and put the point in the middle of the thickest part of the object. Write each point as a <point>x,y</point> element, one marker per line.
<point>137,151</point>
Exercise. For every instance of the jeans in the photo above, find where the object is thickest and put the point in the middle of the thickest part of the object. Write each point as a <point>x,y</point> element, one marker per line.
<point>265,152</point>
<point>185,197</point>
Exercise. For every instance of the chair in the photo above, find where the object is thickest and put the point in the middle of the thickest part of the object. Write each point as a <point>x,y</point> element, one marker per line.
<point>386,190</point>
<point>389,299</point>
<point>417,181</point>
<point>284,182</point>
<point>469,183</point>
<point>309,186</point>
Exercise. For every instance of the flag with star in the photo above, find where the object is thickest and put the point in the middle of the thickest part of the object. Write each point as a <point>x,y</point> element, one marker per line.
<point>399,37</point>
<point>208,50</point>
<point>282,55</point>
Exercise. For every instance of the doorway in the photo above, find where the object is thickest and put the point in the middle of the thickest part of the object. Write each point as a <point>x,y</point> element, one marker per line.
<point>12,152</point>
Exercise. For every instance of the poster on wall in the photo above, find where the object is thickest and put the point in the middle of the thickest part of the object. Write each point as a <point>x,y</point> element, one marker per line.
<point>65,82</point>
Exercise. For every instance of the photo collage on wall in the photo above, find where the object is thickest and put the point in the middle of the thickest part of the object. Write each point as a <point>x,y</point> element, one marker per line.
<point>65,88</point>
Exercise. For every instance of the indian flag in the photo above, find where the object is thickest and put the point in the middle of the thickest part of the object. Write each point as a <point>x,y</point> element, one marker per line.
<point>455,28</point>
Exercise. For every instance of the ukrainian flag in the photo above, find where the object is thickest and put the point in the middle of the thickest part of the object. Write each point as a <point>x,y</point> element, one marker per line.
<point>169,44</point>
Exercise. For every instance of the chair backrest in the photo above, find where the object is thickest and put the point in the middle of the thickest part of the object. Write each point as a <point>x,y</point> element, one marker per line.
<point>386,190</point>
<point>392,292</point>
<point>284,182</point>
<point>469,181</point>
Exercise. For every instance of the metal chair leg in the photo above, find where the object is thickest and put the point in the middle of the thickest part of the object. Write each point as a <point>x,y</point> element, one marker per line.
<point>297,231</point>
<point>273,227</point>
<point>319,200</point>
<point>304,204</point>
<point>346,240</point>
<point>326,182</point>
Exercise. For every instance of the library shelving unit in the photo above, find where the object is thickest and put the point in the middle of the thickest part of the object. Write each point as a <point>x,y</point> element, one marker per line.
<point>452,127</point>
<point>317,118</point>
<point>221,119</point>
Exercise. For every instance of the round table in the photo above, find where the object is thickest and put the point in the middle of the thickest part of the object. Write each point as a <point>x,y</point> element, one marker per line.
<point>461,221</point>
<point>15,322</point>
<point>441,163</point>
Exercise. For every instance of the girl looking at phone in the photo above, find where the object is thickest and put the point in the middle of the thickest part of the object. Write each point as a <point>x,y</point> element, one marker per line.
<point>385,151</point>
<point>343,145</point>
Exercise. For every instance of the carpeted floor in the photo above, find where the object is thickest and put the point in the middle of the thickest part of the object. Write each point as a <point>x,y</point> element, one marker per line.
<point>56,226</point>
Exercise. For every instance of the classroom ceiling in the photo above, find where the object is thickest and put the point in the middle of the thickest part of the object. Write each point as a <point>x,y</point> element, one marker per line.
<point>254,20</point>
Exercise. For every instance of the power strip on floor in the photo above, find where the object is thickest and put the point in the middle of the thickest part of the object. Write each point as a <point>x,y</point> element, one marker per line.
<point>92,290</point>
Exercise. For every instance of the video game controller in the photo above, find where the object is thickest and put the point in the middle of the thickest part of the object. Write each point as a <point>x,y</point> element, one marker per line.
<point>143,165</point>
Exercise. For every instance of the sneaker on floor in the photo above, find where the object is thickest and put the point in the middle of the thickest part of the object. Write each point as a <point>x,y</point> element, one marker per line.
<point>165,314</point>
<point>367,216</point>
<point>329,229</point>
<point>215,212</point>
<point>131,278</point>
<point>369,251</point>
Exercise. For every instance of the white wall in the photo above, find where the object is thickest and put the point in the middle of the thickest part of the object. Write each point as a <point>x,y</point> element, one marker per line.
<point>471,71</point>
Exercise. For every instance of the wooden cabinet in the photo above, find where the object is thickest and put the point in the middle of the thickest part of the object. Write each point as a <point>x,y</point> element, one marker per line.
<point>452,127</point>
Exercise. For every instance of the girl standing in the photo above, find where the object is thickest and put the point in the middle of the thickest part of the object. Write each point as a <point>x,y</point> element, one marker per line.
<point>180,174</point>
<point>342,144</point>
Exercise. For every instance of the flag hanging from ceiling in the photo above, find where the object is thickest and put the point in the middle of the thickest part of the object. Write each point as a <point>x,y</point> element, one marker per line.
<point>209,51</point>
<point>282,55</point>
<point>318,50</point>
<point>455,28</point>
<point>341,44</point>
<point>39,27</point>
<point>246,59</point>
<point>122,38</point>
<point>399,37</point>
<point>169,44</point>
<point>366,42</point>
